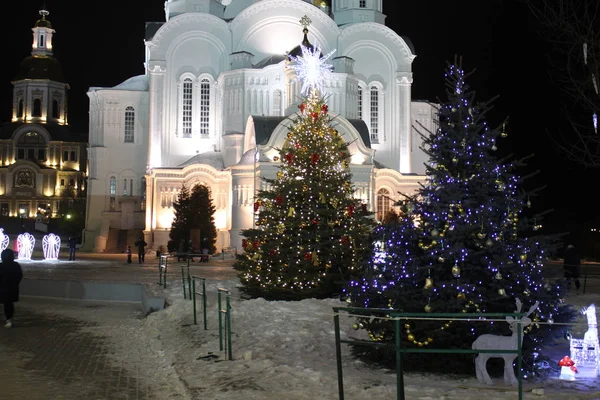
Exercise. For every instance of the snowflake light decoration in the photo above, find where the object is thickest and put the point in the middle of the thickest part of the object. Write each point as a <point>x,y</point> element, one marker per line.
<point>312,69</point>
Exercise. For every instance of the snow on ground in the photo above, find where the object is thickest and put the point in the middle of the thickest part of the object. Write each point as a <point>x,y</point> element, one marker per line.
<point>286,350</point>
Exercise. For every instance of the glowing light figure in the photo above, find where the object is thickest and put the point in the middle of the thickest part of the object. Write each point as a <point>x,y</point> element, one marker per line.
<point>4,239</point>
<point>585,352</point>
<point>312,69</point>
<point>25,241</point>
<point>51,246</point>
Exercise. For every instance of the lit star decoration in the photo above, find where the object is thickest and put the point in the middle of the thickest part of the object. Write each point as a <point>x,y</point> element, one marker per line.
<point>312,69</point>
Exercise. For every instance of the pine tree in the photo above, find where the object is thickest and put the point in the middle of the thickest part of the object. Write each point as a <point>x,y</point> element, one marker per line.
<point>202,216</point>
<point>311,235</point>
<point>180,228</point>
<point>464,242</point>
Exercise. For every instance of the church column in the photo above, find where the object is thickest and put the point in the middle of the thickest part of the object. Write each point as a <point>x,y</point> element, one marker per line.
<point>403,86</point>
<point>157,83</point>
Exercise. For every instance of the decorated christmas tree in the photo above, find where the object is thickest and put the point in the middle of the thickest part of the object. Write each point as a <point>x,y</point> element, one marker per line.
<point>466,242</point>
<point>311,235</point>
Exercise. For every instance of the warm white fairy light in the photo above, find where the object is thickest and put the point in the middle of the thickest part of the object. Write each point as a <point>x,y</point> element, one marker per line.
<point>312,69</point>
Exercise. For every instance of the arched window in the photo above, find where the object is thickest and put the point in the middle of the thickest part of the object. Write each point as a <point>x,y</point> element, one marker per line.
<point>360,102</point>
<point>383,203</point>
<point>20,109</point>
<point>186,111</point>
<point>129,124</point>
<point>113,193</point>
<point>204,106</point>
<point>277,102</point>
<point>143,194</point>
<point>42,41</point>
<point>374,114</point>
<point>125,187</point>
<point>37,108</point>
<point>55,109</point>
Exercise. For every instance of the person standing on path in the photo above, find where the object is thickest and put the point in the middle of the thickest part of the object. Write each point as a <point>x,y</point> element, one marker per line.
<point>141,245</point>
<point>72,247</point>
<point>10,278</point>
<point>572,266</point>
<point>128,254</point>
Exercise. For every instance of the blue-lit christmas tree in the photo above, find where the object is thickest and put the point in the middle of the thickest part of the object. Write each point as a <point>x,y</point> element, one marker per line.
<point>464,242</point>
<point>312,236</point>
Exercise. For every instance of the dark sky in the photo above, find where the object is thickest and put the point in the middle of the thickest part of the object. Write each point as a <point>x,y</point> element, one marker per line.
<point>101,44</point>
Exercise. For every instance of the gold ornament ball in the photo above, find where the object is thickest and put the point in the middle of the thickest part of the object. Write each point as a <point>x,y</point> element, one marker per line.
<point>502,292</point>
<point>428,308</point>
<point>461,296</point>
<point>456,271</point>
<point>410,337</point>
<point>355,326</point>
<point>406,326</point>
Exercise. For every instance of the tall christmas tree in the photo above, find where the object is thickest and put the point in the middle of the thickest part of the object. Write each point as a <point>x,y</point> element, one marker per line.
<point>463,243</point>
<point>311,235</point>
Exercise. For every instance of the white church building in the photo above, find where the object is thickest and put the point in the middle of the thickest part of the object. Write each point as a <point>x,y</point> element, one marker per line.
<point>213,104</point>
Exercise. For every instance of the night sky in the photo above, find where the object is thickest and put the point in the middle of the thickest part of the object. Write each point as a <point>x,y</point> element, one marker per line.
<point>101,44</point>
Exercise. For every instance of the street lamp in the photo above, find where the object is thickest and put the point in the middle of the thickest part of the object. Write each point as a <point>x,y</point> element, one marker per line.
<point>22,215</point>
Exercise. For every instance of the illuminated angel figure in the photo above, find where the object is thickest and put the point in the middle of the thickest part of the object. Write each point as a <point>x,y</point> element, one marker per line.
<point>3,240</point>
<point>51,246</point>
<point>312,69</point>
<point>25,241</point>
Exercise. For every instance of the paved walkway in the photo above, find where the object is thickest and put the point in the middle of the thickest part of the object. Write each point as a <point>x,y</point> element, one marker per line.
<point>50,355</point>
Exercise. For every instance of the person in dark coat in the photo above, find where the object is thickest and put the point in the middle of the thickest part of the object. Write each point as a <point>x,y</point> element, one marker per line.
<point>141,246</point>
<point>10,278</point>
<point>72,248</point>
<point>572,266</point>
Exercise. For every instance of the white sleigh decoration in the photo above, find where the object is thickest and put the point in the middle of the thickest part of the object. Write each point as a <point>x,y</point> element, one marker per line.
<point>498,342</point>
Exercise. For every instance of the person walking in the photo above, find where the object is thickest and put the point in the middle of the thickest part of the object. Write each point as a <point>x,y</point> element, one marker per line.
<point>572,266</point>
<point>10,278</point>
<point>141,246</point>
<point>72,247</point>
<point>128,254</point>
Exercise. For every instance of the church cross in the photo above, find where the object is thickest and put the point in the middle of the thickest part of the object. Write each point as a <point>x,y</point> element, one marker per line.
<point>305,22</point>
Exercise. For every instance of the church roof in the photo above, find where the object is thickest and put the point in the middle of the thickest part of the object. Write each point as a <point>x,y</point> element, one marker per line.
<point>212,158</point>
<point>264,127</point>
<point>40,67</point>
<point>271,60</point>
<point>137,83</point>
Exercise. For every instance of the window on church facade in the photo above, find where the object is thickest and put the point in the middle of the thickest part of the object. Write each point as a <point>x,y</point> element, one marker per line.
<point>362,3</point>
<point>20,109</point>
<point>129,124</point>
<point>360,102</point>
<point>204,106</point>
<point>277,102</point>
<point>187,103</point>
<point>55,113</point>
<point>113,193</point>
<point>374,114</point>
<point>32,146</point>
<point>124,187</point>
<point>143,194</point>
<point>37,108</point>
<point>383,203</point>
<point>42,41</point>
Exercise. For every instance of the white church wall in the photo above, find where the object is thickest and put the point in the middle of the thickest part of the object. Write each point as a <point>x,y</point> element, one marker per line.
<point>424,115</point>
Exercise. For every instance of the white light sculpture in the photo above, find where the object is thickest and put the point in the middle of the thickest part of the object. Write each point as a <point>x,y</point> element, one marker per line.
<point>312,69</point>
<point>51,246</point>
<point>584,352</point>
<point>25,241</point>
<point>3,240</point>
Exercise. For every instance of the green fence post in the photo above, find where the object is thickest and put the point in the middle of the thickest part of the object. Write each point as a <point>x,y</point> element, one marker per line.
<point>165,272</point>
<point>228,324</point>
<point>194,297</point>
<point>519,362</point>
<point>220,320</point>
<point>183,282</point>
<point>190,279</point>
<point>399,371</point>
<point>338,353</point>
<point>204,302</point>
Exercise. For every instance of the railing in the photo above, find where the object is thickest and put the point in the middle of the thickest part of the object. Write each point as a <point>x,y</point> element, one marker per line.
<point>203,296</point>
<point>397,318</point>
<point>225,323</point>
